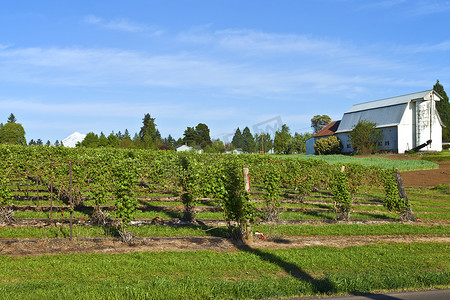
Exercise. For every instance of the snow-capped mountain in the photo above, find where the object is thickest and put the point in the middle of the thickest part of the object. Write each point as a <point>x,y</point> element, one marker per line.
<point>73,139</point>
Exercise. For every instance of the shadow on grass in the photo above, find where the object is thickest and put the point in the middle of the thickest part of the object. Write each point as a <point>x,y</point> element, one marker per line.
<point>322,286</point>
<point>372,216</point>
<point>318,215</point>
<point>171,212</point>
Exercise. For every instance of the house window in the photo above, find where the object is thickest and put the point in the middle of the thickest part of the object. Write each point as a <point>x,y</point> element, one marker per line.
<point>349,146</point>
<point>380,144</point>
<point>386,143</point>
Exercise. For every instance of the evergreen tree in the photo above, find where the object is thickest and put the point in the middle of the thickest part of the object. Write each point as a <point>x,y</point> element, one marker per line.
<point>12,118</point>
<point>202,137</point>
<point>249,142</point>
<point>39,142</point>
<point>189,137</point>
<point>238,139</point>
<point>170,141</point>
<point>179,142</point>
<point>102,140</point>
<point>148,133</point>
<point>48,144</point>
<point>443,107</point>
<point>113,140</point>
<point>57,144</point>
<point>90,141</point>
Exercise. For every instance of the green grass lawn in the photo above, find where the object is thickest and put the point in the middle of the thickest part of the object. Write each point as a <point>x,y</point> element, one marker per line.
<point>271,231</point>
<point>247,273</point>
<point>373,161</point>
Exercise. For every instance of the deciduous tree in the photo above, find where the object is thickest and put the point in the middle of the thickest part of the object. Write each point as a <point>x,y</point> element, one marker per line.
<point>12,132</point>
<point>298,142</point>
<point>264,142</point>
<point>319,121</point>
<point>364,137</point>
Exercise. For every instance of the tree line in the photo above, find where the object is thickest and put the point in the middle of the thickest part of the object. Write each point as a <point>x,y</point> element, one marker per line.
<point>282,141</point>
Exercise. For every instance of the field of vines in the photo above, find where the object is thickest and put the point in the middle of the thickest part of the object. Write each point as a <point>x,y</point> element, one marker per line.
<point>136,224</point>
<point>49,185</point>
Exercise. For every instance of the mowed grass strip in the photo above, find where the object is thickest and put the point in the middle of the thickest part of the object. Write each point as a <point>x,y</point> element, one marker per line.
<point>276,231</point>
<point>250,273</point>
<point>372,161</point>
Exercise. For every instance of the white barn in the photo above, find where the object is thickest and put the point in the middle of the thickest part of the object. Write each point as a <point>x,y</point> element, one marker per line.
<point>405,121</point>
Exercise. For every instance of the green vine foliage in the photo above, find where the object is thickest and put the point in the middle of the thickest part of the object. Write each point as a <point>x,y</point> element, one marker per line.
<point>102,173</point>
<point>125,175</point>
<point>237,206</point>
<point>271,180</point>
<point>392,200</point>
<point>190,182</point>
<point>342,197</point>
<point>5,193</point>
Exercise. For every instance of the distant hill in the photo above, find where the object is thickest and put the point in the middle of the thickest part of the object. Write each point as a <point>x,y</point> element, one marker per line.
<point>73,139</point>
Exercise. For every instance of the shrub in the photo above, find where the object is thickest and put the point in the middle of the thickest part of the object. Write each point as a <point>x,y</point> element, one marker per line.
<point>331,145</point>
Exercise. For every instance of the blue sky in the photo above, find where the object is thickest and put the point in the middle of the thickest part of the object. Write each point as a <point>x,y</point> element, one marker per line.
<point>84,66</point>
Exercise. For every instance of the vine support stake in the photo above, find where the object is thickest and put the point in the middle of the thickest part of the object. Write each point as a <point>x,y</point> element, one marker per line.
<point>401,192</point>
<point>248,225</point>
<point>37,191</point>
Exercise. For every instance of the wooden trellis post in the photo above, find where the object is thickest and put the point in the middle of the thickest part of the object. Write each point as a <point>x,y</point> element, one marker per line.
<point>401,192</point>
<point>248,225</point>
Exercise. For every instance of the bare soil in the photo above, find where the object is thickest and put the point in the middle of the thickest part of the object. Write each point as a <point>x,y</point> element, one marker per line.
<point>17,248</point>
<point>428,178</point>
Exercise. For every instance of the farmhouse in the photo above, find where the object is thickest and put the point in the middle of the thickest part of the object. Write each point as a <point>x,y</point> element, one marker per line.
<point>186,148</point>
<point>405,122</point>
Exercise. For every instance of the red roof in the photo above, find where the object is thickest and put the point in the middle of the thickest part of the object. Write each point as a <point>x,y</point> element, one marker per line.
<point>328,130</point>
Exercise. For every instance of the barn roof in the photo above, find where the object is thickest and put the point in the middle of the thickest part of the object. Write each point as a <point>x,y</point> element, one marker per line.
<point>385,112</point>
<point>328,130</point>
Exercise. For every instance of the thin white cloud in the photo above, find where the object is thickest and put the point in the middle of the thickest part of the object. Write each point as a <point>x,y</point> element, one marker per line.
<point>443,46</point>
<point>260,42</point>
<point>252,42</point>
<point>120,25</point>
<point>427,7</point>
<point>118,109</point>
<point>408,8</point>
<point>282,66</point>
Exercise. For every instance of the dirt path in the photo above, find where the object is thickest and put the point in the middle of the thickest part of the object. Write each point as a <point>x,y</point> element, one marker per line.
<point>108,246</point>
<point>428,178</point>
